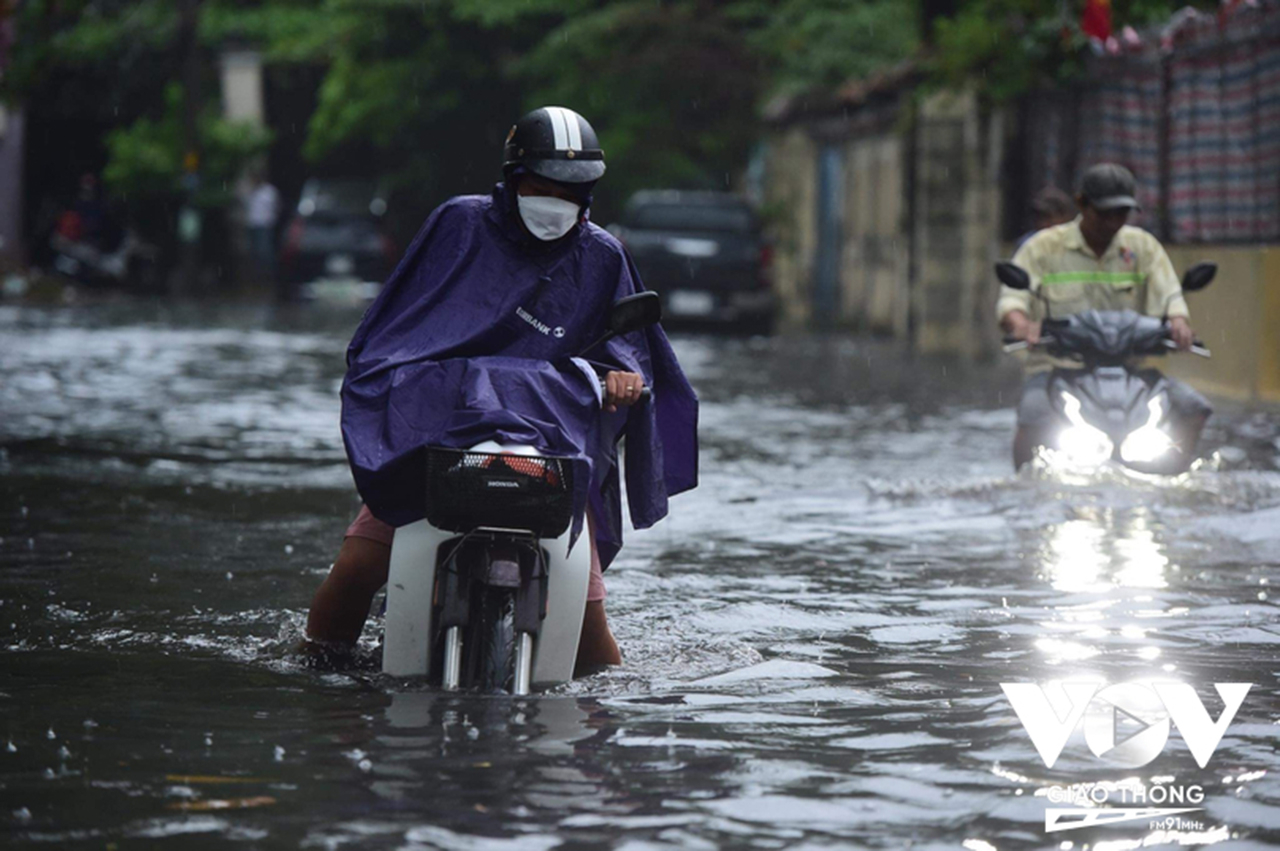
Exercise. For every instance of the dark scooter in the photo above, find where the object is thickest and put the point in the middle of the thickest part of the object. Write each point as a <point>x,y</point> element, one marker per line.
<point>1108,410</point>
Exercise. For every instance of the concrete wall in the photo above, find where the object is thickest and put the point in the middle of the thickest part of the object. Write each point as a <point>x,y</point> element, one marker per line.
<point>874,256</point>
<point>915,266</point>
<point>955,222</point>
<point>1238,318</point>
<point>791,204</point>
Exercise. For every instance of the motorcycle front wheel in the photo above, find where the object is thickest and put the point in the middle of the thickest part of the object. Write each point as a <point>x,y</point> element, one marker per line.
<point>495,641</point>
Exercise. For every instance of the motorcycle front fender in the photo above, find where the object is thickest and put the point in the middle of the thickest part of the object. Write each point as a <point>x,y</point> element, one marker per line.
<point>409,628</point>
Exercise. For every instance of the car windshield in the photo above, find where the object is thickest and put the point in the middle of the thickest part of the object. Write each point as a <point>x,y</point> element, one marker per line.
<point>704,217</point>
<point>339,196</point>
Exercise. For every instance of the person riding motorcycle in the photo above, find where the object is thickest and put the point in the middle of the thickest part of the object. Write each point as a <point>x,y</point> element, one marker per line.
<point>1099,262</point>
<point>517,280</point>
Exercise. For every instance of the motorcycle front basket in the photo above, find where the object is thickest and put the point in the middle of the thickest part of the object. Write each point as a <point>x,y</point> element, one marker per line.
<point>470,489</point>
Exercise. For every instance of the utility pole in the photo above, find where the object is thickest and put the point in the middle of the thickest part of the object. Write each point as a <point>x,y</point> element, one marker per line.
<point>189,216</point>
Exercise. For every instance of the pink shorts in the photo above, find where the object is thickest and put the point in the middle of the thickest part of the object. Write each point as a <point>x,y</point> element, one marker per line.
<point>367,526</point>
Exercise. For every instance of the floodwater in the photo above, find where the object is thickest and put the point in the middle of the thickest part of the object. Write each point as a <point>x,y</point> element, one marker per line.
<point>814,640</point>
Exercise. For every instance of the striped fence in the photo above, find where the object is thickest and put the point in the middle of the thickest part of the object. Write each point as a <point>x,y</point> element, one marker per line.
<point>1194,113</point>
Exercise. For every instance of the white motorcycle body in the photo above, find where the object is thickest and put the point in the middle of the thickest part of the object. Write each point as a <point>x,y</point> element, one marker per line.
<point>409,631</point>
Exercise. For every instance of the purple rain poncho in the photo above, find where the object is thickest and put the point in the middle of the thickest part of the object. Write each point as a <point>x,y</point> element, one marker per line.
<point>471,339</point>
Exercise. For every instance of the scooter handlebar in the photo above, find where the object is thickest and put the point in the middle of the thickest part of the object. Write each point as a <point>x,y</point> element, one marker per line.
<point>646,393</point>
<point>1017,344</point>
<point>1197,347</point>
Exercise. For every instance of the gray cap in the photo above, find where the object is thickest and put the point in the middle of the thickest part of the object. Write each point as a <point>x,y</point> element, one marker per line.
<point>1109,186</point>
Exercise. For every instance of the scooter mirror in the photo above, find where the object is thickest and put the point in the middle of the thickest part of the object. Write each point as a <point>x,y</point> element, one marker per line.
<point>1013,277</point>
<point>635,312</point>
<point>1199,276</point>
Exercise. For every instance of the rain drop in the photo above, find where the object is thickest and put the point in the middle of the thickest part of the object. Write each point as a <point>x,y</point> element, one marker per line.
<point>279,754</point>
<point>1262,595</point>
<point>22,814</point>
<point>48,774</point>
<point>288,549</point>
<point>230,576</point>
<point>11,747</point>
<point>51,735</point>
<point>365,765</point>
<point>90,724</point>
<point>64,753</point>
<point>25,511</point>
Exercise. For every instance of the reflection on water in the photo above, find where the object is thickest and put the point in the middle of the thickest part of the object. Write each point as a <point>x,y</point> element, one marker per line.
<point>815,640</point>
<point>1104,550</point>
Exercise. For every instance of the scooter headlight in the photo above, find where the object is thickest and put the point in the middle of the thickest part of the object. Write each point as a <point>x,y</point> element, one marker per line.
<point>1080,442</point>
<point>1147,443</point>
<point>1085,445</point>
<point>1144,445</point>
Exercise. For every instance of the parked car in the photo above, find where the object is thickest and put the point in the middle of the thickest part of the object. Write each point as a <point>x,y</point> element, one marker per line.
<point>337,234</point>
<point>704,253</point>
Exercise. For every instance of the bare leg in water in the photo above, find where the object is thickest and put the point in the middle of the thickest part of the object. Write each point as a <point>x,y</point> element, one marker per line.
<point>341,606</point>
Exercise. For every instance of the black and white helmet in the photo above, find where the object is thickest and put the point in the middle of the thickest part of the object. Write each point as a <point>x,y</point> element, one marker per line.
<point>556,143</point>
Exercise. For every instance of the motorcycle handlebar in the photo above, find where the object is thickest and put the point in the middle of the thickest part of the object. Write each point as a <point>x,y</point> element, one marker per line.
<point>1197,348</point>
<point>1017,344</point>
<point>646,393</point>
<point>1013,344</point>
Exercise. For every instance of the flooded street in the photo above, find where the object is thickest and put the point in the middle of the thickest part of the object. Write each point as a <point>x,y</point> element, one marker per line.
<point>814,641</point>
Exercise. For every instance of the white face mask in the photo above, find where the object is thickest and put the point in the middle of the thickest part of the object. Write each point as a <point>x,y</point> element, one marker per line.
<point>548,218</point>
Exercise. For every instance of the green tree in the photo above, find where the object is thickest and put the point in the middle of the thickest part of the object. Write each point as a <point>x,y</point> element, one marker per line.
<point>108,68</point>
<point>674,87</point>
<point>1013,46</point>
<point>146,157</point>
<point>422,92</point>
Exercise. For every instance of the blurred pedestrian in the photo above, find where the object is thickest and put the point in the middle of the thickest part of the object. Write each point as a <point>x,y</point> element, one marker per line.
<point>262,211</point>
<point>1051,206</point>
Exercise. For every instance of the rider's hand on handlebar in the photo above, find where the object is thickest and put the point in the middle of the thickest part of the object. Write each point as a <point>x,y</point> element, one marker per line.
<point>621,389</point>
<point>1180,332</point>
<point>1020,326</point>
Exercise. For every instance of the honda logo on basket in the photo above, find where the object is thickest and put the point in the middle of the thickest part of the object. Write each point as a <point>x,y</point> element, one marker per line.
<point>1126,725</point>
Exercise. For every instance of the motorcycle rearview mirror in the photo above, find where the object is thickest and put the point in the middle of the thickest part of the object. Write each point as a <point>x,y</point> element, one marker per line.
<point>1199,276</point>
<point>1012,276</point>
<point>1015,277</point>
<point>630,314</point>
<point>635,312</point>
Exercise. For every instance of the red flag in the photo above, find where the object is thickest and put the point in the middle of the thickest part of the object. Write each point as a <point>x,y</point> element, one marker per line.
<point>1096,19</point>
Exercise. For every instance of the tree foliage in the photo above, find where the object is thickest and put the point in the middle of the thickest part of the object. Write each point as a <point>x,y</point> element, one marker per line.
<point>423,91</point>
<point>1012,46</point>
<point>811,43</point>
<point>146,156</point>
